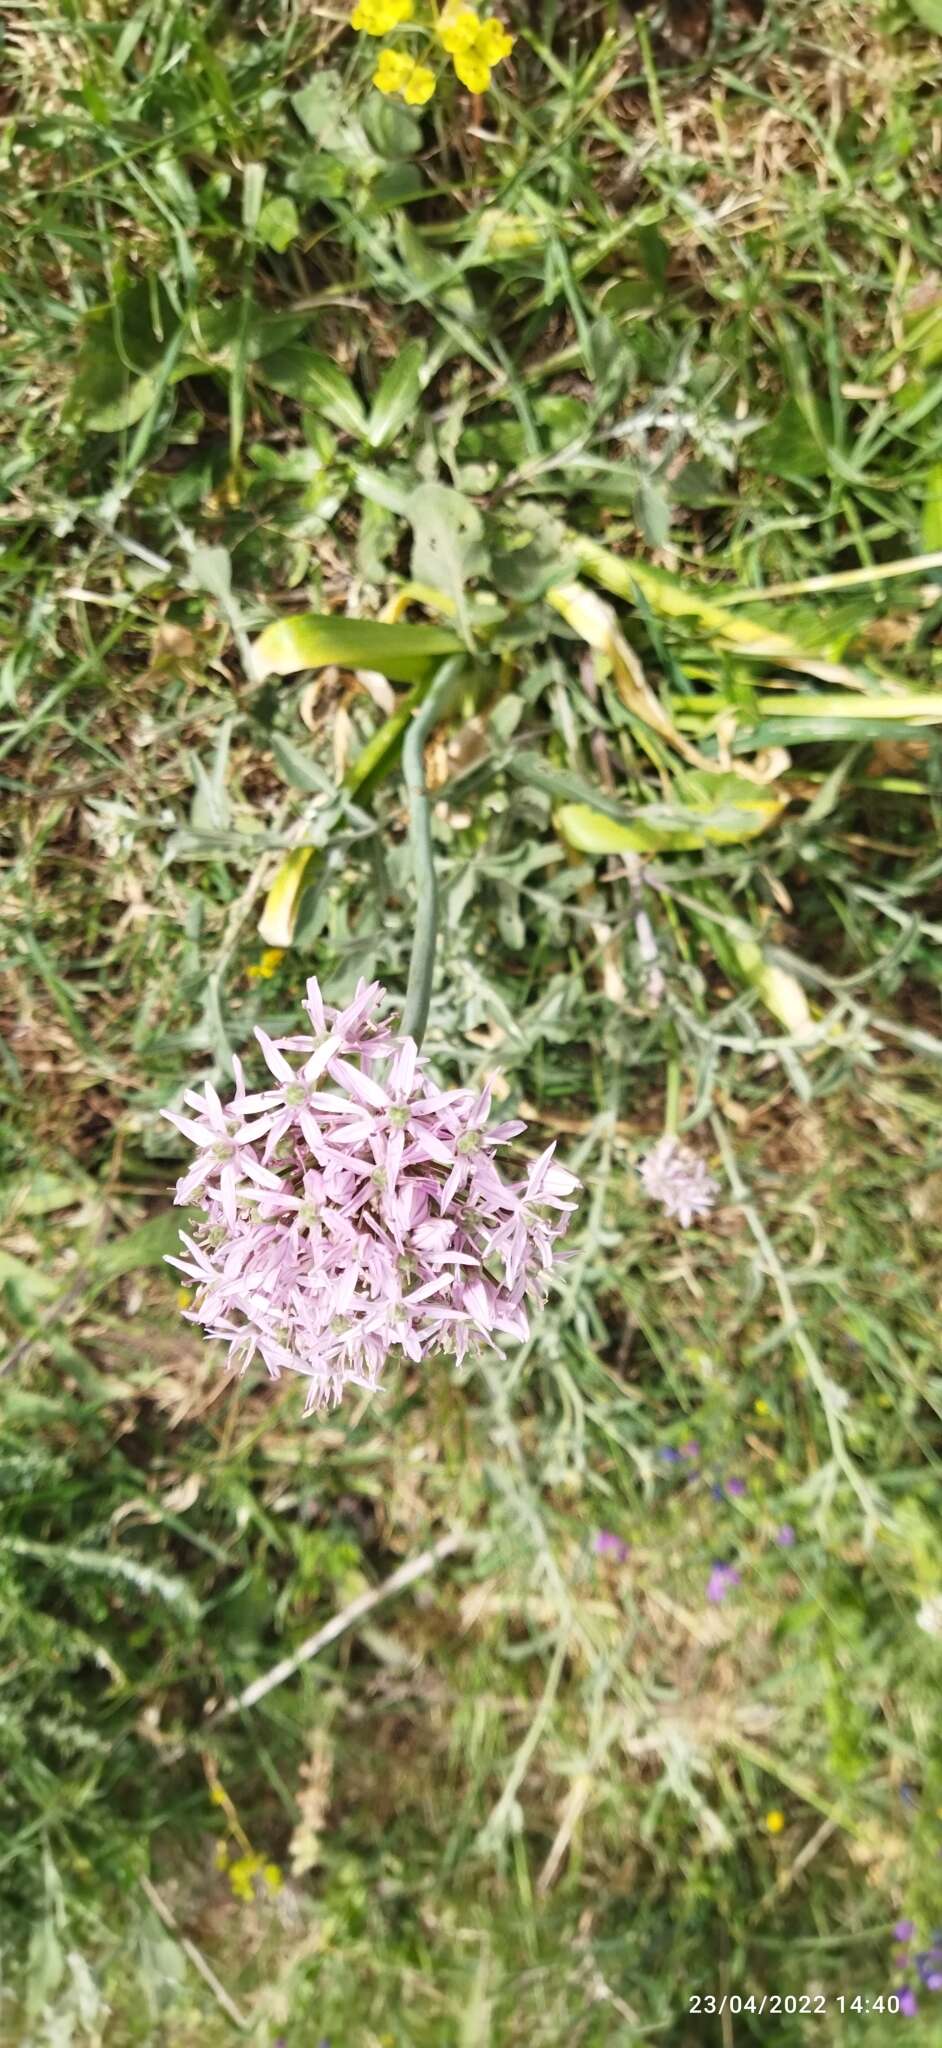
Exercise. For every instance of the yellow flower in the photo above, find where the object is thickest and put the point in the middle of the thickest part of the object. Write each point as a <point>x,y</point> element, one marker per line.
<point>420,86</point>
<point>472,71</point>
<point>393,69</point>
<point>762,1408</point>
<point>493,41</point>
<point>397,73</point>
<point>241,1874</point>
<point>775,1821</point>
<point>474,46</point>
<point>457,28</point>
<point>377,17</point>
<point>222,1856</point>
<point>184,1297</point>
<point>266,966</point>
<point>271,1875</point>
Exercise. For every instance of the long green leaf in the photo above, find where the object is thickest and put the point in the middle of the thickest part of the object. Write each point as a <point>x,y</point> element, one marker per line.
<point>304,374</point>
<point>403,653</point>
<point>397,397</point>
<point>708,810</point>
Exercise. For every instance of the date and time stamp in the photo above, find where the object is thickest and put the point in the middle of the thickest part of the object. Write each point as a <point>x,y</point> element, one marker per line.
<point>788,2002</point>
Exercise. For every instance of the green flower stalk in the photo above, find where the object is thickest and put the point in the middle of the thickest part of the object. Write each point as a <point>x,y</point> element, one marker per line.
<point>422,961</point>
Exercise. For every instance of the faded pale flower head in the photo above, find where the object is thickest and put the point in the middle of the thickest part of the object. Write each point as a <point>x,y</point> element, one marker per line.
<point>929,1615</point>
<point>353,1209</point>
<point>675,1177</point>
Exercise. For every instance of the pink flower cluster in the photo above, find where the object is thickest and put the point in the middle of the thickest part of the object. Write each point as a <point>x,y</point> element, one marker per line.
<point>354,1209</point>
<point>675,1177</point>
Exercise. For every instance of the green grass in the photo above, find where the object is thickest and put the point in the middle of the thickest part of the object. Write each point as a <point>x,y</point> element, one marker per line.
<point>662,319</point>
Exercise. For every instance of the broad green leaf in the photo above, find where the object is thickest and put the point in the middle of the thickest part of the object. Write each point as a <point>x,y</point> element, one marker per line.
<point>397,397</point>
<point>397,187</point>
<point>130,403</point>
<point>529,555</point>
<point>278,223</point>
<point>304,374</point>
<point>929,12</point>
<point>321,107</point>
<point>932,503</point>
<point>328,391</point>
<point>392,130</point>
<point>448,544</point>
<point>403,653</point>
<point>377,487</point>
<point>708,810</point>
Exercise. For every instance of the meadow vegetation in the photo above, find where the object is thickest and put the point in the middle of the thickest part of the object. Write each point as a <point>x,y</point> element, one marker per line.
<point>623,380</point>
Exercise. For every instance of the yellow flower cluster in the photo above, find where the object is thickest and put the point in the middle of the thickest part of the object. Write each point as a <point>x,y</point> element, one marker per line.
<point>244,1870</point>
<point>474,46</point>
<point>263,969</point>
<point>377,17</point>
<point>395,72</point>
<point>248,1871</point>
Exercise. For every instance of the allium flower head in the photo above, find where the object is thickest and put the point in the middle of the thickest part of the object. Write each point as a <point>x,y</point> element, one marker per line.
<point>354,1208</point>
<point>675,1177</point>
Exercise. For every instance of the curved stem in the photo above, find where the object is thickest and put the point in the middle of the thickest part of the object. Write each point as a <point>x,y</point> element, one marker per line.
<point>422,961</point>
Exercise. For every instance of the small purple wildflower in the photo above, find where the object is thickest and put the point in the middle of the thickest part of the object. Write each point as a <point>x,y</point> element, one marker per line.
<point>736,1487</point>
<point>904,1930</point>
<point>929,1964</point>
<point>908,2002</point>
<point>355,1208</point>
<point>785,1536</point>
<point>675,1177</point>
<point>723,1578</point>
<point>669,1455</point>
<point>691,1450</point>
<point>607,1544</point>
